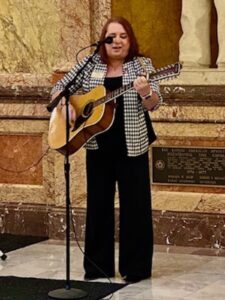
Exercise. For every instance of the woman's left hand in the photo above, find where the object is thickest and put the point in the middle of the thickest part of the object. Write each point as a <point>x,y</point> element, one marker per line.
<point>149,98</point>
<point>142,86</point>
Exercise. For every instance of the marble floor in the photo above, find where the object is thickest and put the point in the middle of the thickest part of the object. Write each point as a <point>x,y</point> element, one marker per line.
<point>178,272</point>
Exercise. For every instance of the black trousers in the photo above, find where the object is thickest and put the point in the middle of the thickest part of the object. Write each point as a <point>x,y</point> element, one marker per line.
<point>136,233</point>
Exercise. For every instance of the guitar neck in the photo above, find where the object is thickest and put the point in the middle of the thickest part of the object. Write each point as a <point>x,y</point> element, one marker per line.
<point>167,72</point>
<point>120,91</point>
<point>114,94</point>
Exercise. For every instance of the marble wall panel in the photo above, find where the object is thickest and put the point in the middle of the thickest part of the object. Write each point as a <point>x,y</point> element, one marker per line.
<point>77,179</point>
<point>184,201</point>
<point>23,110</point>
<point>26,191</point>
<point>36,35</point>
<point>189,131</point>
<point>24,219</point>
<point>196,114</point>
<point>19,161</point>
<point>15,80</point>
<point>189,229</point>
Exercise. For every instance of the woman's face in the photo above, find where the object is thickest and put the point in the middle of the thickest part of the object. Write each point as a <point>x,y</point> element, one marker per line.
<point>120,46</point>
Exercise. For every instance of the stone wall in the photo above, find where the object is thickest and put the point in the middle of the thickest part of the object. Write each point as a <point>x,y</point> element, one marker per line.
<point>38,44</point>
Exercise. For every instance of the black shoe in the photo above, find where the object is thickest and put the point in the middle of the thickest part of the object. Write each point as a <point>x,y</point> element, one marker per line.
<point>135,278</point>
<point>96,276</point>
<point>91,277</point>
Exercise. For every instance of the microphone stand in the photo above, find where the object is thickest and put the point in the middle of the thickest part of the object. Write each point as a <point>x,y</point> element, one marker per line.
<point>68,292</point>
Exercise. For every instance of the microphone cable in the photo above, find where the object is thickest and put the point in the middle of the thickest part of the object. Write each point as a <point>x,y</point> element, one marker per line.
<point>35,164</point>
<point>107,40</point>
<point>88,258</point>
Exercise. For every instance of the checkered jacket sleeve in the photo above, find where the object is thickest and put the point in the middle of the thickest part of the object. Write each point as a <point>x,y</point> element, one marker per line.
<point>78,82</point>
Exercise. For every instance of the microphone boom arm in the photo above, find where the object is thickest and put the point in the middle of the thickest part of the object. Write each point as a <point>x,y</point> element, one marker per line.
<point>65,92</point>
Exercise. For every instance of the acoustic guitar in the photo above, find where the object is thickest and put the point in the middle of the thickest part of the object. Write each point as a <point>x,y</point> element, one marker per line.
<point>94,113</point>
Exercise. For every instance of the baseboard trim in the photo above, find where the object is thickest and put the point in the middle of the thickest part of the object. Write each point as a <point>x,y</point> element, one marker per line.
<point>196,229</point>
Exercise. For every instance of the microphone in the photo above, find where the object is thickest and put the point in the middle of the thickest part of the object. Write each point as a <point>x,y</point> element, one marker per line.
<point>107,40</point>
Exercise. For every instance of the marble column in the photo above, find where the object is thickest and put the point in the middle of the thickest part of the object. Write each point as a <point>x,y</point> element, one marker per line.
<point>220,7</point>
<point>100,12</point>
<point>195,41</point>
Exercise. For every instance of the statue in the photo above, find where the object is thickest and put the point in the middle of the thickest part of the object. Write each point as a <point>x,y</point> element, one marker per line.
<point>195,41</point>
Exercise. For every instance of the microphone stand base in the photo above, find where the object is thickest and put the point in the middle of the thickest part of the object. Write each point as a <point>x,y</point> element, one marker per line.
<point>3,256</point>
<point>67,294</point>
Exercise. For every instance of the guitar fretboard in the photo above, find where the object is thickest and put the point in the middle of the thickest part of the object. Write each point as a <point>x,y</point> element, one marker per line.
<point>114,94</point>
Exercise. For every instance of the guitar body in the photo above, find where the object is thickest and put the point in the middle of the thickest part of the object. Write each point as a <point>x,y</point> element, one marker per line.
<point>99,120</point>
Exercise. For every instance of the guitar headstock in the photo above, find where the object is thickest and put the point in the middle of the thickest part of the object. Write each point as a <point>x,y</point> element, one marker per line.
<point>166,72</point>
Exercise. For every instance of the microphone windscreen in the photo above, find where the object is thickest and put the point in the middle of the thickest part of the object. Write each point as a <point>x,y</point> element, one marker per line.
<point>108,40</point>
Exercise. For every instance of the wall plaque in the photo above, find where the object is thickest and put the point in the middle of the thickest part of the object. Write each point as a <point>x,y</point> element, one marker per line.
<point>188,166</point>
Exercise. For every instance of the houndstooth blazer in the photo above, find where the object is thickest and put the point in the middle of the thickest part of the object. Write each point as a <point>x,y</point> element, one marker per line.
<point>94,74</point>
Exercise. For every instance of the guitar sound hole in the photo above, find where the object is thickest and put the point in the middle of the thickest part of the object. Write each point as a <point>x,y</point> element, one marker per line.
<point>87,110</point>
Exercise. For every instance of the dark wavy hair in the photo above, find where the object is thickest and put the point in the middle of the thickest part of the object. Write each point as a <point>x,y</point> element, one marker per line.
<point>134,47</point>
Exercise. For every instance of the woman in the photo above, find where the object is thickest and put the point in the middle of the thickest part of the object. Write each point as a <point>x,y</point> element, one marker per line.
<point>120,155</point>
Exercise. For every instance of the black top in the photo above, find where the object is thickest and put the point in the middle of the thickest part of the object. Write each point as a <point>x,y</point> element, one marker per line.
<point>113,139</point>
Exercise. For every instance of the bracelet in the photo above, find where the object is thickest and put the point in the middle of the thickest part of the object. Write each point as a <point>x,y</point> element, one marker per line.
<point>147,96</point>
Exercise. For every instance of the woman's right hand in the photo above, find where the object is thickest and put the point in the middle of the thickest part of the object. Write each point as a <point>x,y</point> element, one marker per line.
<point>62,106</point>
